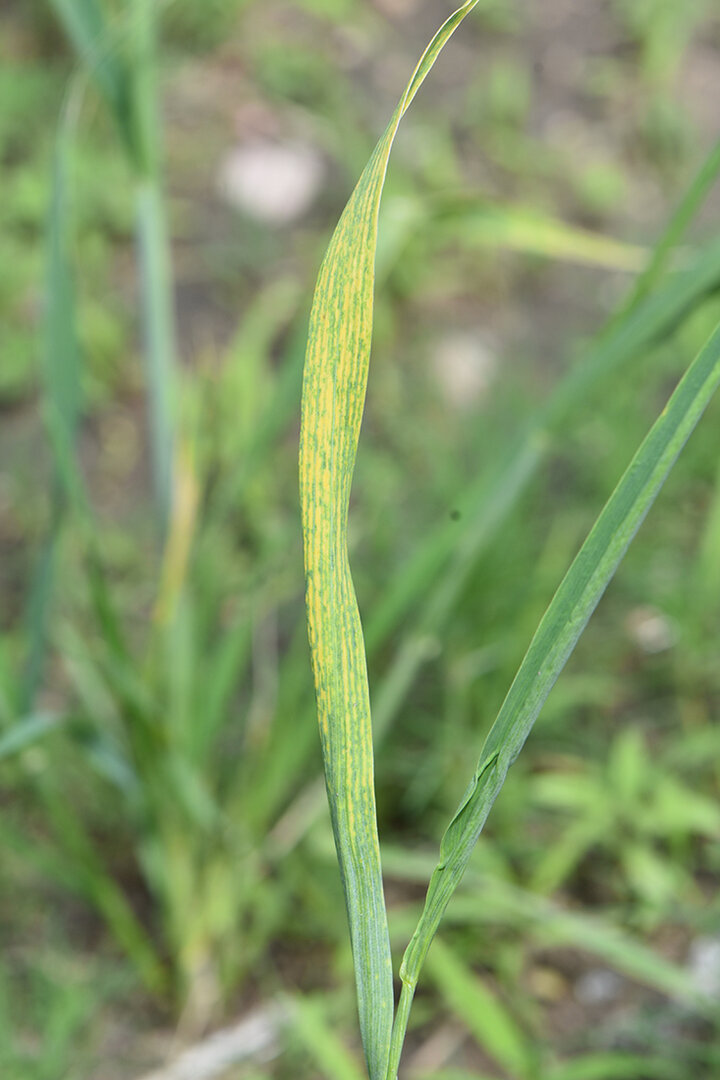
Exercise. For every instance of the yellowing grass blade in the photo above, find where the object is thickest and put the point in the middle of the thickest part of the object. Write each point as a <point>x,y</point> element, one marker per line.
<point>336,367</point>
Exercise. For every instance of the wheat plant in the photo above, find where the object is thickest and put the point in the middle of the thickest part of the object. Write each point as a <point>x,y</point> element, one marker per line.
<point>336,371</point>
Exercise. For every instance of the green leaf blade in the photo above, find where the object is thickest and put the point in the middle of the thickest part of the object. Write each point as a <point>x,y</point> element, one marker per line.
<point>559,631</point>
<point>88,29</point>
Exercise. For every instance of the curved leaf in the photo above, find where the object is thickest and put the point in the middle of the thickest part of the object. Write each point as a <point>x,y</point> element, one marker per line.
<point>336,368</point>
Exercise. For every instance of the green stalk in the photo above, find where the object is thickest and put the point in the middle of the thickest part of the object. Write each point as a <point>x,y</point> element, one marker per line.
<point>399,1030</point>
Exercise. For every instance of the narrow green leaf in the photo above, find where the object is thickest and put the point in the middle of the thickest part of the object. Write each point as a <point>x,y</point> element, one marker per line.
<point>559,630</point>
<point>126,79</point>
<point>333,395</point>
<point>61,349</point>
<point>154,257</point>
<point>26,732</point>
<point>692,200</point>
<point>60,372</point>
<point>71,858</point>
<point>87,28</point>
<point>313,1027</point>
<point>478,222</point>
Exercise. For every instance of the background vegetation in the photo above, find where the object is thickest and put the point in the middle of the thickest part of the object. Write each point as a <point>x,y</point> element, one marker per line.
<point>167,865</point>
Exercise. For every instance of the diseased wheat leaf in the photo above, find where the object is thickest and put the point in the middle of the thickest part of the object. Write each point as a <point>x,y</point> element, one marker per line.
<point>333,398</point>
<point>334,385</point>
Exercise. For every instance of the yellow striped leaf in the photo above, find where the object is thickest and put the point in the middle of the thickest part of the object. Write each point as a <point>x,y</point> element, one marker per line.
<point>336,368</point>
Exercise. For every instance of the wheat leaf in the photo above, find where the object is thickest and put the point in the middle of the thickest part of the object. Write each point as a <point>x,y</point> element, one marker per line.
<point>335,378</point>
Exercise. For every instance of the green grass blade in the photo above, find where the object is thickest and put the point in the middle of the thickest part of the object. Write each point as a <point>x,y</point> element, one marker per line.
<point>333,395</point>
<point>688,207</point>
<point>313,1027</point>
<point>61,349</point>
<point>559,631</point>
<point>26,732</point>
<point>490,1023</point>
<point>478,222</point>
<point>86,26</point>
<point>60,371</point>
<point>126,80</point>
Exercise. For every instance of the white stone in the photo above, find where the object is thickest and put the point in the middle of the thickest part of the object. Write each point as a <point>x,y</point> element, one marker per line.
<point>653,631</point>
<point>271,181</point>
<point>598,987</point>
<point>704,965</point>
<point>464,367</point>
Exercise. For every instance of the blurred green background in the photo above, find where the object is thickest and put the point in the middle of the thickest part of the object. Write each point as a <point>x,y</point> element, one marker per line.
<point>166,862</point>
